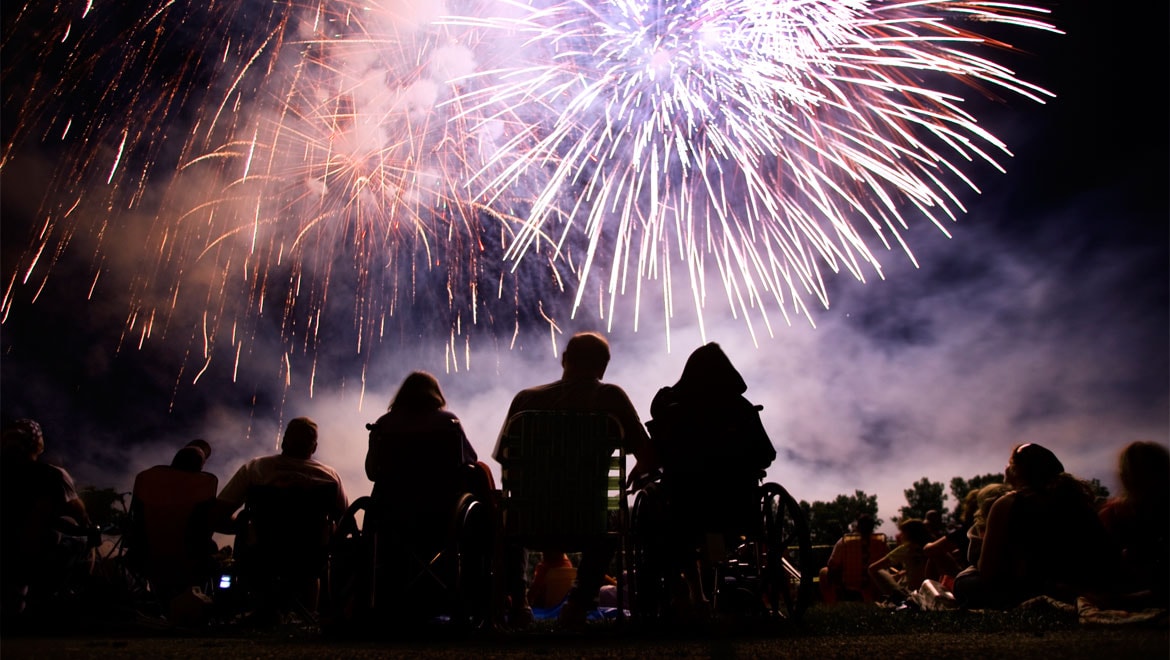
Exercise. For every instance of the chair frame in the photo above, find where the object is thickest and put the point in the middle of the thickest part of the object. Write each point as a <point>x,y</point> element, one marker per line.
<point>563,475</point>
<point>309,513</point>
<point>771,561</point>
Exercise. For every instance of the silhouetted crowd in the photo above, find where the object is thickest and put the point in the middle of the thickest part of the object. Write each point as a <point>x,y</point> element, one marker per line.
<point>698,465</point>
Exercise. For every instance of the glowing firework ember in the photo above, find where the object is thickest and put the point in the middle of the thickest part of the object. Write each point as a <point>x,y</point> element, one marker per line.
<point>371,159</point>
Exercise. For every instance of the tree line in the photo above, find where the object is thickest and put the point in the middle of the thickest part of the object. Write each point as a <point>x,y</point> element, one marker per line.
<point>829,521</point>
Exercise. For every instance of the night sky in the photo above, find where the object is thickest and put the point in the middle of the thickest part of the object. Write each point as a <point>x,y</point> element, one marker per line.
<point>1044,318</point>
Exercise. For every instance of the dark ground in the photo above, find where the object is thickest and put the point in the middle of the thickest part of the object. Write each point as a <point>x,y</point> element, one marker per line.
<point>842,632</point>
<point>1113,644</point>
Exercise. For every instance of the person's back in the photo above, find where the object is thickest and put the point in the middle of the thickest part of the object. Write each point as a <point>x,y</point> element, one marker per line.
<point>711,444</point>
<point>293,502</point>
<point>1058,546</point>
<point>1138,522</point>
<point>418,449</point>
<point>171,506</point>
<point>580,388</point>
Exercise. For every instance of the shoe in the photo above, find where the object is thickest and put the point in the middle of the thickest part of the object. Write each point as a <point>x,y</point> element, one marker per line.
<point>572,616</point>
<point>521,617</point>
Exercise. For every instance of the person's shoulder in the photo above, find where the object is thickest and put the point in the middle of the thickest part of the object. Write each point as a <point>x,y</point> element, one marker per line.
<point>611,390</point>
<point>1005,503</point>
<point>442,415</point>
<point>324,467</point>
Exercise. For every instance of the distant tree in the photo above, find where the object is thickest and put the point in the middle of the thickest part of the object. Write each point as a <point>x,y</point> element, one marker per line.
<point>960,487</point>
<point>922,497</point>
<point>1100,492</point>
<point>829,521</point>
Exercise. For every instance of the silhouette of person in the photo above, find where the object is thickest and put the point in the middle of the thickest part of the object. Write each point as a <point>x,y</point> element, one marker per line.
<point>46,532</point>
<point>294,465</point>
<point>418,410</point>
<point>421,463</point>
<point>710,443</point>
<point>1138,521</point>
<point>713,451</point>
<point>947,554</point>
<point>1043,538</point>
<point>846,575</point>
<point>903,569</point>
<point>292,469</point>
<point>171,521</point>
<point>580,387</point>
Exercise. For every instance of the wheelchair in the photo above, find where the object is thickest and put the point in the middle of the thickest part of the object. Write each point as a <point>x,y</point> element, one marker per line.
<point>761,569</point>
<point>399,564</point>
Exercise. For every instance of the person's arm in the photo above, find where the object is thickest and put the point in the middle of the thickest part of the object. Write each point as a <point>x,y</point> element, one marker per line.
<point>634,436</point>
<point>883,563</point>
<point>229,500</point>
<point>469,455</point>
<point>72,508</point>
<point>374,458</point>
<point>994,554</point>
<point>513,408</point>
<point>836,563</point>
<point>342,499</point>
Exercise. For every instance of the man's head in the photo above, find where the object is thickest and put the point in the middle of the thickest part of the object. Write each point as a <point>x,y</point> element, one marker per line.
<point>586,354</point>
<point>193,456</point>
<point>300,438</point>
<point>865,524</point>
<point>23,439</point>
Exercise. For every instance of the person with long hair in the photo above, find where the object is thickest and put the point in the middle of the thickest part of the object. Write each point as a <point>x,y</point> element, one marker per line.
<point>1138,521</point>
<point>417,409</point>
<point>1042,538</point>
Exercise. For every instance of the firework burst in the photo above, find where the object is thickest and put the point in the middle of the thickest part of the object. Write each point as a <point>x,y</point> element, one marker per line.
<point>767,139</point>
<point>425,170</point>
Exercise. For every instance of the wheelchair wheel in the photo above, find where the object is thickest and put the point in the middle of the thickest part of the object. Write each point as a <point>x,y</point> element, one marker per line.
<point>647,575</point>
<point>473,586</point>
<point>787,573</point>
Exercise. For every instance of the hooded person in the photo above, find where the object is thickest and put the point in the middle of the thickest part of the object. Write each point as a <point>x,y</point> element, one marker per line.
<point>713,452</point>
<point>709,439</point>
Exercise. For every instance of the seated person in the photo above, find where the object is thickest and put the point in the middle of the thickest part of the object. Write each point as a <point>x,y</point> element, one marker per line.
<point>583,362</point>
<point>46,531</point>
<point>846,576</point>
<point>297,511</point>
<point>170,535</point>
<point>947,554</point>
<point>1138,522</point>
<point>421,462</point>
<point>1043,538</point>
<point>713,451</point>
<point>984,498</point>
<point>903,569</point>
<point>402,466</point>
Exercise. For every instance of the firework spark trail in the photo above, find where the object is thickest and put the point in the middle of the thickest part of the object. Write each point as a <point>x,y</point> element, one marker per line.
<point>303,158</point>
<point>771,138</point>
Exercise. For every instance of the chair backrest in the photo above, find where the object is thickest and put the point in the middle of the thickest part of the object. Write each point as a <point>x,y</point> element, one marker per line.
<point>423,464</point>
<point>292,522</point>
<point>424,477</point>
<point>563,474</point>
<point>859,554</point>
